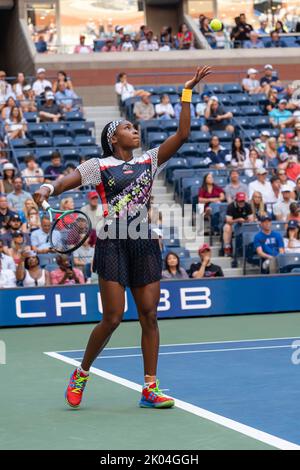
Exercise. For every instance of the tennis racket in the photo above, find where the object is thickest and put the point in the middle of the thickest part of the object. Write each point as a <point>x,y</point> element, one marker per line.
<point>69,231</point>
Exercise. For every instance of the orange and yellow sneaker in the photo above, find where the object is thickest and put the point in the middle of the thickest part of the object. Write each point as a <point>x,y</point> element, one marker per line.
<point>152,397</point>
<point>76,388</point>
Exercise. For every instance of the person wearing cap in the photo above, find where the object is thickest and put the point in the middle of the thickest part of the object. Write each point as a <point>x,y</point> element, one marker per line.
<point>41,82</point>
<point>238,212</point>
<point>275,40</point>
<point>82,48</point>
<point>281,209</point>
<point>270,79</point>
<point>261,142</point>
<point>93,209</point>
<point>32,174</point>
<point>49,111</point>
<point>251,84</point>
<point>18,246</point>
<point>268,244</point>
<point>29,272</point>
<point>205,268</point>
<point>292,237</point>
<point>28,103</point>
<point>8,172</point>
<point>254,42</point>
<point>14,225</point>
<point>148,44</point>
<point>143,110</point>
<point>262,185</point>
<point>281,117</point>
<point>291,167</point>
<point>18,196</point>
<point>109,46</point>
<point>217,119</point>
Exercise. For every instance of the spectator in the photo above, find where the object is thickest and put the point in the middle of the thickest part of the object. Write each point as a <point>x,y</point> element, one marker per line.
<point>144,109</point>
<point>127,44</point>
<point>268,245</point>
<point>65,273</point>
<point>177,110</point>
<point>9,172</point>
<point>109,46</point>
<point>23,214</point>
<point>7,261</point>
<point>83,257</point>
<point>234,187</point>
<point>294,213</point>
<point>292,238</point>
<point>251,84</point>
<point>15,125</point>
<point>281,117</point>
<point>164,109</point>
<point>62,77</point>
<point>7,277</point>
<point>271,153</point>
<point>166,37</point>
<point>9,105</point>
<point>275,40</point>
<point>65,98</point>
<point>210,192</point>
<point>284,180</point>
<point>18,247</point>
<point>29,272</point>
<point>41,82</point>
<point>56,169</point>
<point>297,189</point>
<point>217,119</point>
<point>270,79</point>
<point>238,212</point>
<point>262,185</point>
<point>291,167</point>
<point>93,209</point>
<point>19,85</point>
<point>32,174</point>
<point>258,207</point>
<point>254,41</point>
<point>28,103</point>
<point>13,226</point>
<point>263,29</point>
<point>216,154</point>
<point>141,34</point>
<point>82,48</point>
<point>125,90</point>
<point>49,111</point>
<point>239,154</point>
<point>33,221</point>
<point>119,35</point>
<point>261,142</point>
<point>241,32</point>
<point>40,237</point>
<point>205,268</point>
<point>18,196</point>
<point>279,28</point>
<point>41,45</point>
<point>173,269</point>
<point>200,107</point>
<point>291,147</point>
<point>276,187</point>
<point>66,204</point>
<point>148,44</point>
<point>185,38</point>
<point>281,209</point>
<point>207,32</point>
<point>5,213</point>
<point>272,101</point>
<point>297,133</point>
<point>221,38</point>
<point>5,89</point>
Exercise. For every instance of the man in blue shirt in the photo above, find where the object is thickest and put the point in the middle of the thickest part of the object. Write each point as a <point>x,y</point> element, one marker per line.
<point>275,40</point>
<point>65,98</point>
<point>281,117</point>
<point>268,245</point>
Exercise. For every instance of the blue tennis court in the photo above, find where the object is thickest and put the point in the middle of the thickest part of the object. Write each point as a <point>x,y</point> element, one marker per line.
<point>251,386</point>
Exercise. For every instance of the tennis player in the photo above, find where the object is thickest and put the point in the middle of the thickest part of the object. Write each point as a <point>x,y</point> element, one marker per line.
<point>124,184</point>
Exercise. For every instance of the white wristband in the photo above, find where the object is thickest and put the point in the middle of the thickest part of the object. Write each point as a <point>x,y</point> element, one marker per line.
<point>49,186</point>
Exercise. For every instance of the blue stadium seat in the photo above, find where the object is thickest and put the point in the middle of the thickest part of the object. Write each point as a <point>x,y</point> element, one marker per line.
<point>31,116</point>
<point>150,88</point>
<point>70,154</point>
<point>20,143</point>
<point>90,152</point>
<point>212,89</point>
<point>251,110</point>
<point>156,138</point>
<point>43,142</point>
<point>170,243</point>
<point>174,99</point>
<point>173,164</point>
<point>223,136</point>
<point>74,116</point>
<point>44,154</point>
<point>58,128</point>
<point>288,261</point>
<point>23,153</point>
<point>79,128</point>
<point>258,98</point>
<point>85,141</point>
<point>240,99</point>
<point>155,99</point>
<point>196,124</point>
<point>232,88</point>
<point>181,252</point>
<point>250,134</point>
<point>221,181</point>
<point>244,122</point>
<point>196,98</point>
<point>186,185</point>
<point>169,125</point>
<point>167,90</point>
<point>197,162</point>
<point>225,100</point>
<point>199,136</point>
<point>37,130</point>
<point>260,122</point>
<point>188,150</point>
<point>65,141</point>
<point>187,262</point>
<point>235,110</point>
<point>290,41</point>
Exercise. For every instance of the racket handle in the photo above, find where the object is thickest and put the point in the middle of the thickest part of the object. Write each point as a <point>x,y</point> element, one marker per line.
<point>45,205</point>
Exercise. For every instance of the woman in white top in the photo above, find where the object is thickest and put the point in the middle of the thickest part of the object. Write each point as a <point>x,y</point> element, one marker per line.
<point>252,163</point>
<point>6,110</point>
<point>15,125</point>
<point>292,238</point>
<point>29,271</point>
<point>125,90</point>
<point>164,109</point>
<point>19,85</point>
<point>251,84</point>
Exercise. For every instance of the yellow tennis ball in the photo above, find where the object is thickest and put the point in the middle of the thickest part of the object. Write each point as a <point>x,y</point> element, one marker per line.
<point>215,25</point>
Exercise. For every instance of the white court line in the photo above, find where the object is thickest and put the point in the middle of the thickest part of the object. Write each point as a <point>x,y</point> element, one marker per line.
<point>194,344</point>
<point>196,410</point>
<point>170,353</point>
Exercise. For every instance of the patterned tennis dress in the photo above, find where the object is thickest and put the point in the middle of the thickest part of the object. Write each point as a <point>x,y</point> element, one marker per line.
<point>125,250</point>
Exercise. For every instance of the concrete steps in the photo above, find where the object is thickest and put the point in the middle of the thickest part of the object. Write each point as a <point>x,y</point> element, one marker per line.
<point>101,115</point>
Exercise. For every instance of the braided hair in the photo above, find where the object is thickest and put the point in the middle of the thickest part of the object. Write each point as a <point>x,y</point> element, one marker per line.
<point>107,152</point>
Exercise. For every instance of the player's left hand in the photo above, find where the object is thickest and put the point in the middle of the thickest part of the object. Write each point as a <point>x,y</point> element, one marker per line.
<point>200,74</point>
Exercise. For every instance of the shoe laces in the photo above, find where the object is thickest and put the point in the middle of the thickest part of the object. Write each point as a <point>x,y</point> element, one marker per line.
<point>78,383</point>
<point>156,389</point>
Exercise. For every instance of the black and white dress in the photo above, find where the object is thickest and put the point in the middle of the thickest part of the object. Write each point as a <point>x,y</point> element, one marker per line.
<point>125,250</point>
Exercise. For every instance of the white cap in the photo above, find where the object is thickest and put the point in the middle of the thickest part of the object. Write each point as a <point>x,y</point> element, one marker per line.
<point>268,66</point>
<point>27,87</point>
<point>8,166</point>
<point>49,95</point>
<point>41,70</point>
<point>285,188</point>
<point>250,71</point>
<point>265,133</point>
<point>215,98</point>
<point>261,171</point>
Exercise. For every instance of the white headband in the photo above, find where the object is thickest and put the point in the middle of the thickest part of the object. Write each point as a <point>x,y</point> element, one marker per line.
<point>111,130</point>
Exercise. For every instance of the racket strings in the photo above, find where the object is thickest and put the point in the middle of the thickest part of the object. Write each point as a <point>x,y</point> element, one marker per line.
<point>70,232</point>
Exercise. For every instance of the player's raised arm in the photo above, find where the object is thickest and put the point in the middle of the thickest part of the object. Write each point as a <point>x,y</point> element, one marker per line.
<point>68,182</point>
<point>173,143</point>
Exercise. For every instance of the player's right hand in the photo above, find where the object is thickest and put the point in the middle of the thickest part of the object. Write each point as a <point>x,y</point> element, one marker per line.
<point>41,195</point>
